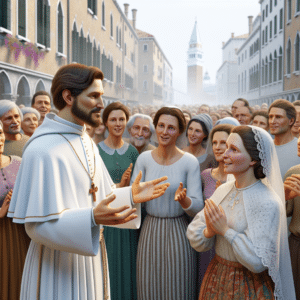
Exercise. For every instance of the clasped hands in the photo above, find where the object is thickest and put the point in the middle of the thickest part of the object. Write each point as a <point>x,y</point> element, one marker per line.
<point>292,187</point>
<point>216,221</point>
<point>141,192</point>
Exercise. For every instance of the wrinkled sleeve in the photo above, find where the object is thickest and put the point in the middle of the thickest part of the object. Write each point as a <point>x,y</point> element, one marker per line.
<point>244,250</point>
<point>194,189</point>
<point>72,232</point>
<point>196,236</point>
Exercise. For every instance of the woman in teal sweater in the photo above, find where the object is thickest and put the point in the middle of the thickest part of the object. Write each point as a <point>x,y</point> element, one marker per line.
<point>121,244</point>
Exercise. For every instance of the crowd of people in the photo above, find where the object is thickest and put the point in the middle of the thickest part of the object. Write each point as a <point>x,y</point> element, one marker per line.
<point>188,202</point>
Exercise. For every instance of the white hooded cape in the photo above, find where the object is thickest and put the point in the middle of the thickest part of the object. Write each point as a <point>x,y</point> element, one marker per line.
<point>51,196</point>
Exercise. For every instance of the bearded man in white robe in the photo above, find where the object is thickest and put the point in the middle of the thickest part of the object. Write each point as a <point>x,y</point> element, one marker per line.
<point>64,194</point>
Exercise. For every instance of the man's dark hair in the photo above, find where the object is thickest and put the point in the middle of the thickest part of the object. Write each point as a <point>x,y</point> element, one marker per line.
<point>246,103</point>
<point>39,93</point>
<point>260,113</point>
<point>73,77</point>
<point>287,106</point>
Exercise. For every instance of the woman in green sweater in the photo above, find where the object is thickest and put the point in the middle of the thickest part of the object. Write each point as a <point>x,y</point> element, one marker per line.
<point>119,158</point>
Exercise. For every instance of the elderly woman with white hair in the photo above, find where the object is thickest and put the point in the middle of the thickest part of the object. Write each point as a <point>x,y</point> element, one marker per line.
<point>141,128</point>
<point>30,121</point>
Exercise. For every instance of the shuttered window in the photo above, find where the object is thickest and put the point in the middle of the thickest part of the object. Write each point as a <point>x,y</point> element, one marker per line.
<point>43,23</point>
<point>22,18</point>
<point>5,14</point>
<point>60,41</point>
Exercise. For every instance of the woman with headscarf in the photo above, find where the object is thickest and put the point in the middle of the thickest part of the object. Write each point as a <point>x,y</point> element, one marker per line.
<point>197,131</point>
<point>14,241</point>
<point>166,263</point>
<point>245,221</point>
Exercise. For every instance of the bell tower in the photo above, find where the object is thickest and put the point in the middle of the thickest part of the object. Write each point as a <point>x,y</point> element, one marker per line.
<point>195,66</point>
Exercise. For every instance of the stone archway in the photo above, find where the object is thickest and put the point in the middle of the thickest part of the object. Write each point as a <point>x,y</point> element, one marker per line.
<point>5,86</point>
<point>23,92</point>
<point>40,86</point>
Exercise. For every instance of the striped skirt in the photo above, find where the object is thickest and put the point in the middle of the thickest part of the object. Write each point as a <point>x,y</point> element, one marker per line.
<point>230,280</point>
<point>166,263</point>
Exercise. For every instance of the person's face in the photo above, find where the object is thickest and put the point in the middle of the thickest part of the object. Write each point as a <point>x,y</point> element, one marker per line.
<point>2,140</point>
<point>296,126</point>
<point>11,122</point>
<point>42,104</point>
<point>187,117</point>
<point>140,132</point>
<point>100,129</point>
<point>30,123</point>
<point>195,133</point>
<point>236,104</point>
<point>90,130</point>
<point>116,122</point>
<point>167,130</point>
<point>236,158</point>
<point>279,123</point>
<point>214,119</point>
<point>243,115</point>
<point>261,121</point>
<point>87,106</point>
<point>219,144</point>
<point>204,110</point>
<point>225,114</point>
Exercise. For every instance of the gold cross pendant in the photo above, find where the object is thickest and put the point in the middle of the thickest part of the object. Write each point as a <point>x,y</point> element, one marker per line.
<point>93,191</point>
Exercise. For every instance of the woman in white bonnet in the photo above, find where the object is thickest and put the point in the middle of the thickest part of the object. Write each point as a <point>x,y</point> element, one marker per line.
<point>245,221</point>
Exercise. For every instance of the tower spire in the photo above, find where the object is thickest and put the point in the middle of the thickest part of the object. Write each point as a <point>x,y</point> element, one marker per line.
<point>195,37</point>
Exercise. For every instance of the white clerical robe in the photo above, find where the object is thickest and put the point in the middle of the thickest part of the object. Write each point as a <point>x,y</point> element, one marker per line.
<point>51,196</point>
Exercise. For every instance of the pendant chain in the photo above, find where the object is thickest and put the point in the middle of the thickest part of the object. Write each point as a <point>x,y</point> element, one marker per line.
<point>91,176</point>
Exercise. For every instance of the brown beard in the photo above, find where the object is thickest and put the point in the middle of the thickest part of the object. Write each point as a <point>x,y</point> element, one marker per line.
<point>82,115</point>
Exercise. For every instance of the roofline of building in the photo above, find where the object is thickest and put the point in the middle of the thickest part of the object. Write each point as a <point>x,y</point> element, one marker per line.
<point>153,38</point>
<point>247,40</point>
<point>235,38</point>
<point>125,18</point>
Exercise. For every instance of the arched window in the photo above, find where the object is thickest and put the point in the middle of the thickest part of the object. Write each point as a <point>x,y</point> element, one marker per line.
<point>297,53</point>
<point>117,35</point>
<point>280,68</point>
<point>103,14</point>
<point>89,55</point>
<point>288,57</point>
<point>266,70</point>
<point>270,69</point>
<point>82,45</point>
<point>60,28</point>
<point>23,91</point>
<point>92,5</point>
<point>5,12</point>
<point>75,44</point>
<point>40,86</point>
<point>5,86</point>
<point>263,72</point>
<point>111,25</point>
<point>145,85</point>
<point>43,23</point>
<point>22,18</point>
<point>275,67</point>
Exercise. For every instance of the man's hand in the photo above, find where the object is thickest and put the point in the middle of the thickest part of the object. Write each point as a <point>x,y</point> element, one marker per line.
<point>106,215</point>
<point>125,180</point>
<point>292,187</point>
<point>145,191</point>
<point>5,205</point>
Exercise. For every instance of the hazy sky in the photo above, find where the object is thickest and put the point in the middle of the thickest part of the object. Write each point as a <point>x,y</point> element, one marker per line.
<point>172,22</point>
